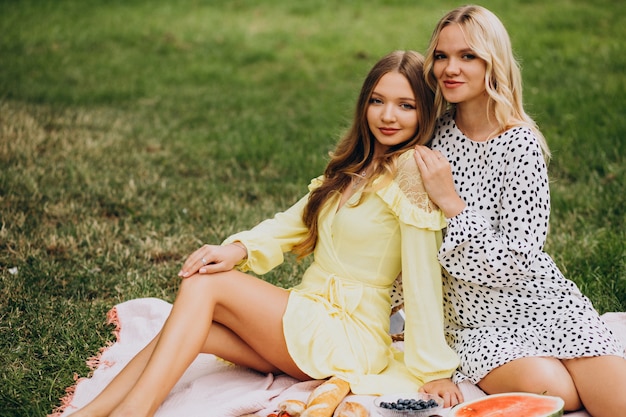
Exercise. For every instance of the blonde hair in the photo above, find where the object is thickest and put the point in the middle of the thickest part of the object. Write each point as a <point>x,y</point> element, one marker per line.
<point>355,150</point>
<point>489,40</point>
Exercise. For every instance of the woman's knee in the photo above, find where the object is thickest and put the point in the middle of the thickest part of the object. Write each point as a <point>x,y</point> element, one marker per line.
<point>203,285</point>
<point>601,383</point>
<point>554,379</point>
<point>538,375</point>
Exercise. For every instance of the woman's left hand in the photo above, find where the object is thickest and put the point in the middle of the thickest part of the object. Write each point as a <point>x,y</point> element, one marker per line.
<point>444,388</point>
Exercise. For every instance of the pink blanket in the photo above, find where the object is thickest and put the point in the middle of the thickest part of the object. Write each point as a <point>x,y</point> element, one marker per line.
<point>211,387</point>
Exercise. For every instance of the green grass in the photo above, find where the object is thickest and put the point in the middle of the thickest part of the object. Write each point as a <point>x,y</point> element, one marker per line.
<point>132,131</point>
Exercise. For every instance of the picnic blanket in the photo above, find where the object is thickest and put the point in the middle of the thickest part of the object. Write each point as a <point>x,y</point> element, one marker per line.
<point>212,387</point>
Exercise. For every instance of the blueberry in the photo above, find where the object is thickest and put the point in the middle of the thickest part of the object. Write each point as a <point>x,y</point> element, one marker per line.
<point>405,404</point>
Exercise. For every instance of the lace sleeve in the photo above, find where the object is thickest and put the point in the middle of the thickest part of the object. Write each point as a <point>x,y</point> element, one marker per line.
<point>411,185</point>
<point>410,182</point>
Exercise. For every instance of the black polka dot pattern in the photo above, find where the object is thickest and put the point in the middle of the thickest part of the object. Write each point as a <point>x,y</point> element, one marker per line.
<point>504,296</point>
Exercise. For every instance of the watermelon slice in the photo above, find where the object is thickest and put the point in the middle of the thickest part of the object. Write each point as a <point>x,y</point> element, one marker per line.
<point>512,404</point>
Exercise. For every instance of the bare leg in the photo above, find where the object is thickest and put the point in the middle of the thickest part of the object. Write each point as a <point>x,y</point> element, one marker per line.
<point>250,307</point>
<point>253,310</point>
<point>219,335</point>
<point>117,389</point>
<point>601,383</point>
<point>539,375</point>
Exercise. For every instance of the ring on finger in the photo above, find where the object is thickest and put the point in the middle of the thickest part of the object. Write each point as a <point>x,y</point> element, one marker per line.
<point>203,260</point>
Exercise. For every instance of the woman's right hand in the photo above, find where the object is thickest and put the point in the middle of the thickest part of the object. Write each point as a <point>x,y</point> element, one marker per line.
<point>445,389</point>
<point>437,177</point>
<point>210,259</point>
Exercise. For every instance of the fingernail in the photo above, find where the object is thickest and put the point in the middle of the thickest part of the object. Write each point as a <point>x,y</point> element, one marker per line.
<point>202,270</point>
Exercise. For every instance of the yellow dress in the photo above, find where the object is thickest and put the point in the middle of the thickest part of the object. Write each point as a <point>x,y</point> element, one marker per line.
<point>337,318</point>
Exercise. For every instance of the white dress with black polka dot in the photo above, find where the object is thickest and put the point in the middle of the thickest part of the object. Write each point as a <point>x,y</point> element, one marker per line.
<point>504,297</point>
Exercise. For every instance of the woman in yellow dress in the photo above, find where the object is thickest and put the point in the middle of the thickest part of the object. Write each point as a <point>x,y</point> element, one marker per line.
<point>365,220</point>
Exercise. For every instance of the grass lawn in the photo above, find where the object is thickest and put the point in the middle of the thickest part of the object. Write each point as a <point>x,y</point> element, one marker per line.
<point>132,131</point>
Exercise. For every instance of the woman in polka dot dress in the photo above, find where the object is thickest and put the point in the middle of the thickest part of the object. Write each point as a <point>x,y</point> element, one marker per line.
<point>516,322</point>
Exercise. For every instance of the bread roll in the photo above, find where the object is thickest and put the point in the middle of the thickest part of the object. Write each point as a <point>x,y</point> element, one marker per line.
<point>325,398</point>
<point>292,407</point>
<point>351,409</point>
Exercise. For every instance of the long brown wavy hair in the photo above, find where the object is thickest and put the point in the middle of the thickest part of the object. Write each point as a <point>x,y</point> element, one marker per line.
<point>355,150</point>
